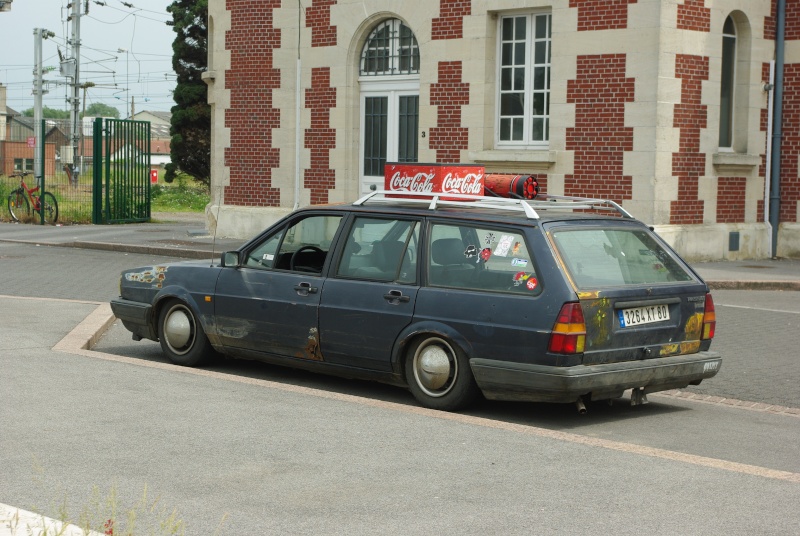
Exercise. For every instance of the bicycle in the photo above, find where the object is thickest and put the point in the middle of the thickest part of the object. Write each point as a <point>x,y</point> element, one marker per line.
<point>21,199</point>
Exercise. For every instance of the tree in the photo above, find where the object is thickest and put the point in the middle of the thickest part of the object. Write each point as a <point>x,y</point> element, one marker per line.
<point>48,113</point>
<point>190,146</point>
<point>98,109</point>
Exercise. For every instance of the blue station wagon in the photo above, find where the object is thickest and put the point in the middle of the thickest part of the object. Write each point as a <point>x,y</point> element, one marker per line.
<point>553,300</point>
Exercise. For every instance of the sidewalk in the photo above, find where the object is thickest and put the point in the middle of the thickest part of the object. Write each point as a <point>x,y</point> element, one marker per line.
<point>185,236</point>
<point>181,235</point>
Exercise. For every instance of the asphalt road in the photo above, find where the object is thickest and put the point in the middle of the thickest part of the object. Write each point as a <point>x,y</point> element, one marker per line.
<point>274,451</point>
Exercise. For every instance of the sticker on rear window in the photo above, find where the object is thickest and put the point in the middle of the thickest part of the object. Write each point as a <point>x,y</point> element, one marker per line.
<point>503,247</point>
<point>522,263</point>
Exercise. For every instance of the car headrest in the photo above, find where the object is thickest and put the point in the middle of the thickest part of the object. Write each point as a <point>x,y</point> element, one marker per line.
<point>448,251</point>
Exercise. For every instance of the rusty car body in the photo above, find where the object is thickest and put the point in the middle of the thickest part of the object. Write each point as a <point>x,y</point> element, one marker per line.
<point>558,300</point>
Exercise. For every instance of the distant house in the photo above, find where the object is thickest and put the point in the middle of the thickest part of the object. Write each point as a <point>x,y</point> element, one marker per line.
<point>159,136</point>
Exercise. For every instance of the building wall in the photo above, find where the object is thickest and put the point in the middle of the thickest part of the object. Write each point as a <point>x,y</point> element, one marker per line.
<point>635,107</point>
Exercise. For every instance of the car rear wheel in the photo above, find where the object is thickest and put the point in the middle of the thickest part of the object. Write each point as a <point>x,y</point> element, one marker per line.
<point>438,374</point>
<point>182,338</point>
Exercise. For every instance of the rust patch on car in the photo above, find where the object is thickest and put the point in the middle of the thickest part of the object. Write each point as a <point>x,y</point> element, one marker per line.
<point>312,351</point>
<point>669,349</point>
<point>693,328</point>
<point>155,276</point>
<point>599,320</point>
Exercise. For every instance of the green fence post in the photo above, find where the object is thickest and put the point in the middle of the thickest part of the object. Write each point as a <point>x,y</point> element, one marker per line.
<point>97,171</point>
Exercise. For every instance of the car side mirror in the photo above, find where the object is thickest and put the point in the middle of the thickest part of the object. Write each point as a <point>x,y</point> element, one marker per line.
<point>230,259</point>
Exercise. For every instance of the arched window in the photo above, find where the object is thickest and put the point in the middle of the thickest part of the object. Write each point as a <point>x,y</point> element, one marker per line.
<point>389,83</point>
<point>391,49</point>
<point>727,84</point>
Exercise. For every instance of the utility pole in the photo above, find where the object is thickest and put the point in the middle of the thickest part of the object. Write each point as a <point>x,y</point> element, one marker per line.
<point>38,92</point>
<point>75,117</point>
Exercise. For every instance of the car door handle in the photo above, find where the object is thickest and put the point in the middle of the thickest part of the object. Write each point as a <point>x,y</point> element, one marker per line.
<point>304,289</point>
<point>395,297</point>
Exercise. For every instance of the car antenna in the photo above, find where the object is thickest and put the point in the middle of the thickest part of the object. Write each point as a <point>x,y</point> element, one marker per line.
<point>216,224</point>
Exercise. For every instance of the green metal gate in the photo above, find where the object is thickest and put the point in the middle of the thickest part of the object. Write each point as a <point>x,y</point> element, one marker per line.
<point>121,171</point>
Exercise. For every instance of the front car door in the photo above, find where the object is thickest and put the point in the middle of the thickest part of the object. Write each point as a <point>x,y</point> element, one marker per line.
<point>269,303</point>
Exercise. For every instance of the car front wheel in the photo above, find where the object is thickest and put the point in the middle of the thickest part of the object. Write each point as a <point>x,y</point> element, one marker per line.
<point>182,338</point>
<point>438,374</point>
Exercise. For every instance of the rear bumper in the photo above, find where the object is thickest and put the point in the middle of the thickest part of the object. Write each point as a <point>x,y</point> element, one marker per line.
<point>136,317</point>
<point>503,380</point>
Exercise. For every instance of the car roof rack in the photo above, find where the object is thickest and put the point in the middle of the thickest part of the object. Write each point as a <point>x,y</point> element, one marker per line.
<point>528,206</point>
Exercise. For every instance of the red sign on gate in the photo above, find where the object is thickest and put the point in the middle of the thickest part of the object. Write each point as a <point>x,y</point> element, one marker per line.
<point>434,178</point>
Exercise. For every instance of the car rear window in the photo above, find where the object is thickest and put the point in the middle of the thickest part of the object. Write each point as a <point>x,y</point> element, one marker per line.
<point>616,257</point>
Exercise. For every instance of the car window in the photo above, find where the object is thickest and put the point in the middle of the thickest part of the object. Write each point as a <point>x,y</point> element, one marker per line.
<point>616,257</point>
<point>302,247</point>
<point>479,258</point>
<point>381,250</point>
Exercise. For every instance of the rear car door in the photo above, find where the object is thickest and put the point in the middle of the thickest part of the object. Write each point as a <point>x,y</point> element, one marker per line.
<point>370,297</point>
<point>639,300</point>
<point>269,303</point>
<point>484,287</point>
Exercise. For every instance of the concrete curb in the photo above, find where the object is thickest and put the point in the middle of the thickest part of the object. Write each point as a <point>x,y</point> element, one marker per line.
<point>17,522</point>
<point>754,285</point>
<point>161,251</point>
<point>145,250</point>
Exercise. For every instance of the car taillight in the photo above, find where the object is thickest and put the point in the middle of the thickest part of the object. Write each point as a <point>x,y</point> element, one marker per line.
<point>709,318</point>
<point>569,331</point>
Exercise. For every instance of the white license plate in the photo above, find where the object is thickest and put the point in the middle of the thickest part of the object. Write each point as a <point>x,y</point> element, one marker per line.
<point>636,316</point>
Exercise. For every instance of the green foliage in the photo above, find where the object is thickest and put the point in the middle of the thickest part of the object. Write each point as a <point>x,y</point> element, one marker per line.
<point>98,109</point>
<point>191,116</point>
<point>184,195</point>
<point>48,113</point>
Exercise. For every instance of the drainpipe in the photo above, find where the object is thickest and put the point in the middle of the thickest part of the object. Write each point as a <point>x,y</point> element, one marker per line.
<point>298,137</point>
<point>770,89</point>
<point>775,191</point>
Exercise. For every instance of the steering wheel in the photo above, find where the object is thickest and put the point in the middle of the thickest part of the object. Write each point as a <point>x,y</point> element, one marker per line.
<point>315,249</point>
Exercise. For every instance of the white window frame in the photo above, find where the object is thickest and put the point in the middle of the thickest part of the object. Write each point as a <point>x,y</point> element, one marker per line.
<point>393,89</point>
<point>527,115</point>
<point>732,82</point>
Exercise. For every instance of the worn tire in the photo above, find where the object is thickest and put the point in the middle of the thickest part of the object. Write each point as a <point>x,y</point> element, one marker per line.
<point>181,335</point>
<point>438,374</point>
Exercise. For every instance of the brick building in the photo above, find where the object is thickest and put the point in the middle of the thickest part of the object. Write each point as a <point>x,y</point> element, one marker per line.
<point>658,104</point>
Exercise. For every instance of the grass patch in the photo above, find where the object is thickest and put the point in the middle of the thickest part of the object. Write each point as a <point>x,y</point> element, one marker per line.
<point>183,195</point>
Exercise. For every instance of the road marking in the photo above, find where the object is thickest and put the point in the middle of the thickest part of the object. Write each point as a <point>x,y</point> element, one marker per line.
<point>757,308</point>
<point>75,343</point>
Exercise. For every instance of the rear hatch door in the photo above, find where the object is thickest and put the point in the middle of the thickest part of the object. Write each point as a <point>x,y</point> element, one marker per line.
<point>639,299</point>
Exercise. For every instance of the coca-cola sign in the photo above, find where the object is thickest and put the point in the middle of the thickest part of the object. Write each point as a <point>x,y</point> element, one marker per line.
<point>434,178</point>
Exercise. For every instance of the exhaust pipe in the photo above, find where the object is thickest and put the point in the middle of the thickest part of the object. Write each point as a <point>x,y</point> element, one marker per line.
<point>638,397</point>
<point>581,406</point>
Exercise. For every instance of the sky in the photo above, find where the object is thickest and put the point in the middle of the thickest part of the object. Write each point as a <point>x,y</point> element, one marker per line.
<point>144,72</point>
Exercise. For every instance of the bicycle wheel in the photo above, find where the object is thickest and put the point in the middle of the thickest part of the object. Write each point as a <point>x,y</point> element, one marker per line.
<point>50,208</point>
<point>18,205</point>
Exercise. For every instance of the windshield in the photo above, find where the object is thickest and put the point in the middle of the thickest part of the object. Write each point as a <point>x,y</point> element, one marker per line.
<point>616,257</point>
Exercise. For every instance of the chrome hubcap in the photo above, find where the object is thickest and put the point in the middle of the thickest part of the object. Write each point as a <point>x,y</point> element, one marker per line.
<point>178,330</point>
<point>435,367</point>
